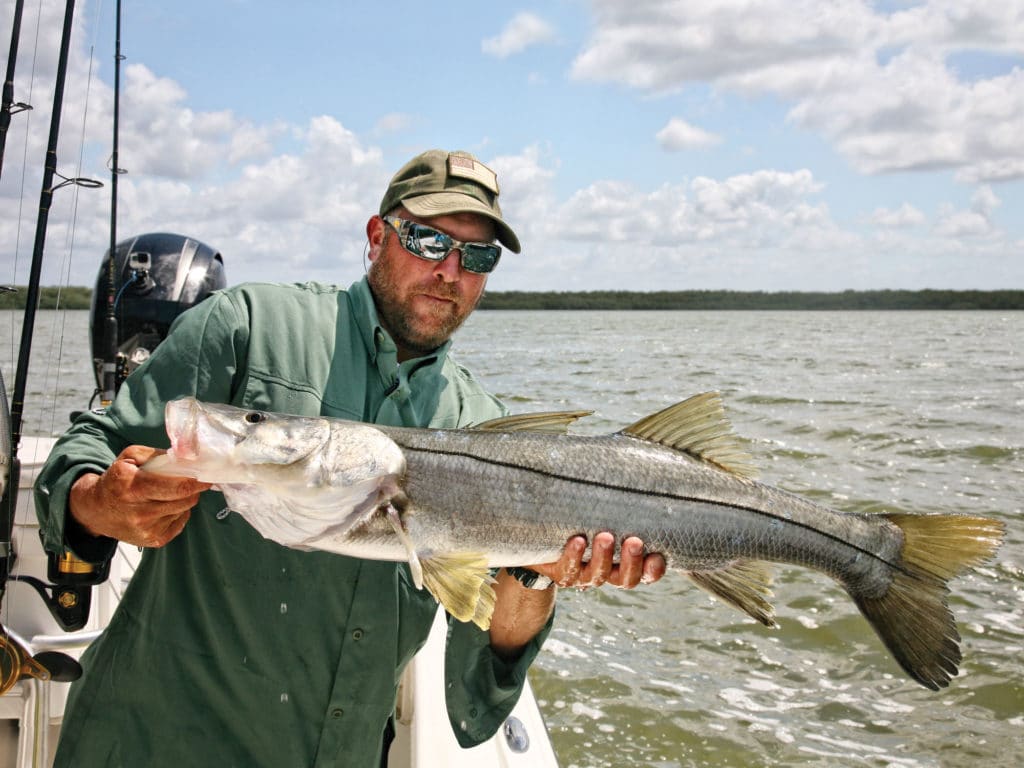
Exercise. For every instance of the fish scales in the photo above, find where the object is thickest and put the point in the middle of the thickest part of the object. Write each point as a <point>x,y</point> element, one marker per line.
<point>519,496</point>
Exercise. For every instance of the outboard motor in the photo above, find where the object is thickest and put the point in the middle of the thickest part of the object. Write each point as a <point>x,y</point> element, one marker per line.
<point>157,277</point>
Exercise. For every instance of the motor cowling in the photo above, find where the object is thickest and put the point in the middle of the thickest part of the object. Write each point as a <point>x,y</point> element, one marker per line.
<point>156,277</point>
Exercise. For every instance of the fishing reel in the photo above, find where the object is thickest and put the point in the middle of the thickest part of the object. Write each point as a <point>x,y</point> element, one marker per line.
<point>16,663</point>
<point>69,596</point>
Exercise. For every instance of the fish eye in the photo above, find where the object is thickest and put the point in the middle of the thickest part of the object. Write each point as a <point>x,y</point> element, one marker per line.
<point>254,417</point>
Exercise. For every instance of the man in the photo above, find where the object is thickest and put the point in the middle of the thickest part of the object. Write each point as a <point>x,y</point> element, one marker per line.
<point>229,650</point>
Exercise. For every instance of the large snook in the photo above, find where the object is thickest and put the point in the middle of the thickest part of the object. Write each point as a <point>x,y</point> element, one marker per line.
<point>454,503</point>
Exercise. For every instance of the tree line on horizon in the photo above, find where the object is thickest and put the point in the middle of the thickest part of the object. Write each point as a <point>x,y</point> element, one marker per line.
<point>755,300</point>
<point>77,297</point>
<point>64,297</point>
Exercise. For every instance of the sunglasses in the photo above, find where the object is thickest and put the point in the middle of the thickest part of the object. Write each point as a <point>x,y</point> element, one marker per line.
<point>432,245</point>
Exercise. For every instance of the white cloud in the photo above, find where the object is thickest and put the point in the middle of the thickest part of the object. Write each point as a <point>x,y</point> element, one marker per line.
<point>954,24</point>
<point>251,142</point>
<point>740,210</point>
<point>762,230</point>
<point>679,135</point>
<point>878,85</point>
<point>958,225</point>
<point>984,200</point>
<point>900,218</point>
<point>305,209</point>
<point>527,195</point>
<point>975,222</point>
<point>163,137</point>
<point>523,31</point>
<point>661,45</point>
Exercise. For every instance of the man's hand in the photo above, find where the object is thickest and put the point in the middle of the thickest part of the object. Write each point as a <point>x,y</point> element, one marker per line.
<point>633,567</point>
<point>140,508</point>
<point>520,613</point>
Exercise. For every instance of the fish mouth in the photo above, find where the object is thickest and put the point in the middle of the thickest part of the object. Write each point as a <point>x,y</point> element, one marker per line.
<point>198,431</point>
<point>182,421</point>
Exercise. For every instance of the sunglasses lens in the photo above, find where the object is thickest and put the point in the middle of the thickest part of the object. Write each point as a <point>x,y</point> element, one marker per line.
<point>429,243</point>
<point>477,257</point>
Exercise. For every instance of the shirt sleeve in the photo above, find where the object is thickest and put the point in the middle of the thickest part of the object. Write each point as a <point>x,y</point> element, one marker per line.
<point>482,688</point>
<point>207,338</point>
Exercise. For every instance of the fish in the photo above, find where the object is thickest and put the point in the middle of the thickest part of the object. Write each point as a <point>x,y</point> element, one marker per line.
<point>457,503</point>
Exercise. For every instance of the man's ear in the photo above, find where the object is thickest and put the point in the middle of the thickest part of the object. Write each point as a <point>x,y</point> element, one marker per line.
<point>375,233</point>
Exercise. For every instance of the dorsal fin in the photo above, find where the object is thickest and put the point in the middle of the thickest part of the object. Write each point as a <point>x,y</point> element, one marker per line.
<point>550,421</point>
<point>697,426</point>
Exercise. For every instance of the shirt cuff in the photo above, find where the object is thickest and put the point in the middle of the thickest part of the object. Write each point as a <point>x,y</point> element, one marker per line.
<point>85,546</point>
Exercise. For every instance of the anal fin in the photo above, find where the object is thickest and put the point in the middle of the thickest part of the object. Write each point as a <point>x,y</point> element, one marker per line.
<point>743,584</point>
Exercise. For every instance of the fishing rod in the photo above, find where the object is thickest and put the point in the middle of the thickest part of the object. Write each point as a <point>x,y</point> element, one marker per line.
<point>7,510</point>
<point>9,106</point>
<point>45,200</point>
<point>109,387</point>
<point>70,597</point>
<point>15,660</point>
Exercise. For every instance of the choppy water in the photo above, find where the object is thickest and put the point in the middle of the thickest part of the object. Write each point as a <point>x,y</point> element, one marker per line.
<point>918,412</point>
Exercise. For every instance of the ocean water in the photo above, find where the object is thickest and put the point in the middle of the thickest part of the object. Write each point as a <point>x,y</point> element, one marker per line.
<point>868,412</point>
<point>874,411</point>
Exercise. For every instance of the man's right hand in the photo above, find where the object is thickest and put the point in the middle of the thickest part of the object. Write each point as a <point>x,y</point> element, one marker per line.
<point>141,508</point>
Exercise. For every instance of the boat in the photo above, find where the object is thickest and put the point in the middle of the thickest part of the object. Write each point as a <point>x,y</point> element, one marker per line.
<point>53,607</point>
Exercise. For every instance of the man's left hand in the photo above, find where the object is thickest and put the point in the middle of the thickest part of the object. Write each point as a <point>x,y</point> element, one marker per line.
<point>634,567</point>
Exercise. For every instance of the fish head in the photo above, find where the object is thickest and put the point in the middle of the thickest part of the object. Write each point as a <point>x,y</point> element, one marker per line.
<point>217,435</point>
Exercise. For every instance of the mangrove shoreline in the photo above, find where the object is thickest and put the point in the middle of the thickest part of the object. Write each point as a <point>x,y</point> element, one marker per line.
<point>77,297</point>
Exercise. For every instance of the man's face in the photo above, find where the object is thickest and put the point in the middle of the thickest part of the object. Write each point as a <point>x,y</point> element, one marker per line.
<point>421,303</point>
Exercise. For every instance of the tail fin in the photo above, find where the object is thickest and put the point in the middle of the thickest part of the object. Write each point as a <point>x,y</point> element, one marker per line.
<point>912,618</point>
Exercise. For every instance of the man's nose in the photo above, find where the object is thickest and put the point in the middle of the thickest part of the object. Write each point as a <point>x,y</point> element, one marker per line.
<point>449,269</point>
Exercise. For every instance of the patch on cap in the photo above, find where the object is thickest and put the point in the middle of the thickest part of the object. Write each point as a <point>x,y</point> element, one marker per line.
<point>468,167</point>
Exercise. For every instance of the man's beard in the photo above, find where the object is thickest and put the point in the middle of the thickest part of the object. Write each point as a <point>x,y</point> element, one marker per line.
<point>404,326</point>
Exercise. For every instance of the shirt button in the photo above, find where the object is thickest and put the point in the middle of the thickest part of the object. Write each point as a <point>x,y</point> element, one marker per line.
<point>357,634</point>
<point>337,712</point>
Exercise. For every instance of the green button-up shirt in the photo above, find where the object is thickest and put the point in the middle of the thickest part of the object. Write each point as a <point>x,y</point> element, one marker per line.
<point>231,650</point>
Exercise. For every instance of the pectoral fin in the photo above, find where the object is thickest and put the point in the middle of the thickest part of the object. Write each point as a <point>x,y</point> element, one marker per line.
<point>744,584</point>
<point>461,582</point>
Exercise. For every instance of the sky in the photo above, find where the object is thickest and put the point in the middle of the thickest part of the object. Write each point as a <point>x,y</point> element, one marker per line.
<point>642,145</point>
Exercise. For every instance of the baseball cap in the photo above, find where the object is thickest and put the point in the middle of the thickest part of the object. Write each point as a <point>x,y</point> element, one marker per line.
<point>438,182</point>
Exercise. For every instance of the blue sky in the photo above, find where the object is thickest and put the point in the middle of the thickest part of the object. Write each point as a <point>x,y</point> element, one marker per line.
<point>779,145</point>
